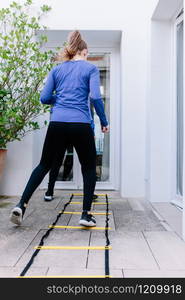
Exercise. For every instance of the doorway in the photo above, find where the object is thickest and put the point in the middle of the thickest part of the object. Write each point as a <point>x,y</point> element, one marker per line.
<point>70,176</point>
<point>104,52</point>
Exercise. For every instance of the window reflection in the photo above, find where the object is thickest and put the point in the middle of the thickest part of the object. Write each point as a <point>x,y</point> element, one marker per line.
<point>102,140</point>
<point>66,170</point>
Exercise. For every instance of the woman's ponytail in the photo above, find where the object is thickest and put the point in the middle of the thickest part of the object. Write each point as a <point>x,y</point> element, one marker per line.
<point>74,44</point>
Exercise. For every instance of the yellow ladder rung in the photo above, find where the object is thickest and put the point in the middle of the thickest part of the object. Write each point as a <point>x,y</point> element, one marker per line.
<point>73,247</point>
<point>96,203</point>
<point>79,213</point>
<point>68,276</point>
<point>79,227</point>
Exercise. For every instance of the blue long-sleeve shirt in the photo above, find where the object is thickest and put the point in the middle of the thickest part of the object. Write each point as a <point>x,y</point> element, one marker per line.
<point>68,87</point>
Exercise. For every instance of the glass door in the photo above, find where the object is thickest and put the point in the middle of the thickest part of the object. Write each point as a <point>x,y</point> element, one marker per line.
<point>70,176</point>
<point>179,111</point>
<point>102,141</point>
<point>179,119</point>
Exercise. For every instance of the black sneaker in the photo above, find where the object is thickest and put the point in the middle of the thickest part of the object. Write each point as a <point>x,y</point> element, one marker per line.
<point>48,195</point>
<point>17,214</point>
<point>48,198</point>
<point>87,220</point>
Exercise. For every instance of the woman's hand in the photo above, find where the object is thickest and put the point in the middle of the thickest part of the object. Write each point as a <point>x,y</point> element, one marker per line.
<point>105,129</point>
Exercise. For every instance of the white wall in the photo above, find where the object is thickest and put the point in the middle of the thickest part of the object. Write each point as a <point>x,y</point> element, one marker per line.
<point>18,166</point>
<point>183,221</point>
<point>133,18</point>
<point>161,105</point>
<point>133,86</point>
<point>160,110</point>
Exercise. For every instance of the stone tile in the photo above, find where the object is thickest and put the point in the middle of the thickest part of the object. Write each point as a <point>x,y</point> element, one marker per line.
<point>70,207</point>
<point>171,214</point>
<point>138,254</point>
<point>156,213</point>
<point>13,272</point>
<point>176,224</point>
<point>5,223</point>
<point>41,219</point>
<point>145,203</point>
<point>136,204</point>
<point>59,258</point>
<point>37,207</point>
<point>100,198</point>
<point>37,202</point>
<point>129,250</point>
<point>14,242</point>
<point>111,194</point>
<point>78,207</point>
<point>136,221</point>
<point>166,225</point>
<point>168,249</point>
<point>167,209</point>
<point>55,271</point>
<point>114,204</point>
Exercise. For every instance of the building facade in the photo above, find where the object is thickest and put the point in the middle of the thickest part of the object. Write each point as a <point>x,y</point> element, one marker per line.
<point>138,47</point>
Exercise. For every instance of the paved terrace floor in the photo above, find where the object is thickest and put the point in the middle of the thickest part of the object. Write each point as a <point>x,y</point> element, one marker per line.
<point>145,239</point>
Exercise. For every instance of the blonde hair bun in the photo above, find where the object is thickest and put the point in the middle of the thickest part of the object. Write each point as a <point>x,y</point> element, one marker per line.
<point>74,37</point>
<point>75,44</point>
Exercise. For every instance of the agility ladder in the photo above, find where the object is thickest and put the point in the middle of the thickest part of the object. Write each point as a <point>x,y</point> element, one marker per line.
<point>41,246</point>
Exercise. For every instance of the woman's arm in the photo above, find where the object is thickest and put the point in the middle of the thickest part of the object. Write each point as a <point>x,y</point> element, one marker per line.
<point>95,96</point>
<point>47,96</point>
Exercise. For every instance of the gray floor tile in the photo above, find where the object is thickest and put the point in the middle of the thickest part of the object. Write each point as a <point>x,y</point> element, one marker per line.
<point>55,271</point>
<point>143,238</point>
<point>168,249</point>
<point>129,250</point>
<point>136,221</point>
<point>14,272</point>
<point>62,258</point>
<point>14,242</point>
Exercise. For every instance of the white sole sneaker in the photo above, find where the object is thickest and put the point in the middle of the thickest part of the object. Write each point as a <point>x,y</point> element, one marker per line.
<point>87,223</point>
<point>48,198</point>
<point>16,216</point>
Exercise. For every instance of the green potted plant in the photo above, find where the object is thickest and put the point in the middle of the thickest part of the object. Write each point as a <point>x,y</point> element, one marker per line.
<point>23,67</point>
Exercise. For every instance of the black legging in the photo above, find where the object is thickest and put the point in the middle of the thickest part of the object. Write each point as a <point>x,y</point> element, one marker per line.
<point>59,136</point>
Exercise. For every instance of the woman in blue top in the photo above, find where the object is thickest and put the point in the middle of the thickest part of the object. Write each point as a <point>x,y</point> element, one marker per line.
<point>68,88</point>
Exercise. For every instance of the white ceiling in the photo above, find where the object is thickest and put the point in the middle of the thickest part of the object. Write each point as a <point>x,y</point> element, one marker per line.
<point>94,38</point>
<point>166,9</point>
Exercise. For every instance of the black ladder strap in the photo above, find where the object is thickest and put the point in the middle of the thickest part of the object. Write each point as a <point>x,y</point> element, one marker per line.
<point>107,270</point>
<point>43,238</point>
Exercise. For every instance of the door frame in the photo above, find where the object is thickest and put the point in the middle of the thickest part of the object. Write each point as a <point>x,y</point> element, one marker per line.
<point>114,168</point>
<point>176,199</point>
